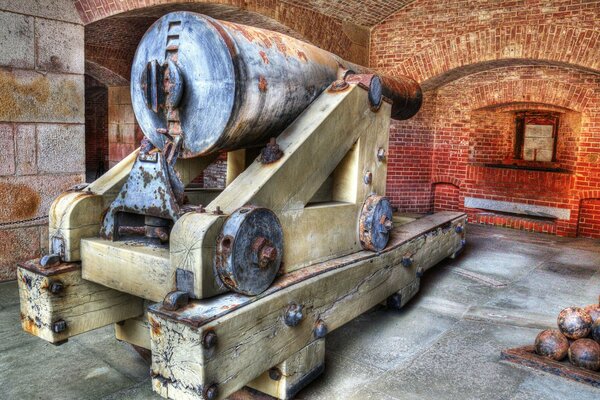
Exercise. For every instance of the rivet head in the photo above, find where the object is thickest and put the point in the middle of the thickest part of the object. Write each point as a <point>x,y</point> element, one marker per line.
<point>59,326</point>
<point>459,229</point>
<point>320,329</point>
<point>275,374</point>
<point>56,287</point>
<point>293,315</point>
<point>420,272</point>
<point>211,392</point>
<point>209,340</point>
<point>381,154</point>
<point>406,261</point>
<point>368,178</point>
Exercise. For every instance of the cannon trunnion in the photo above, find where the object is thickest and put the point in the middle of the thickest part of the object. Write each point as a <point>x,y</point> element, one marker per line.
<point>239,286</point>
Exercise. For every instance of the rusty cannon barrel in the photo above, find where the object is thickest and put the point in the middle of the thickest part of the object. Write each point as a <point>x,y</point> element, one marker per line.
<point>214,85</point>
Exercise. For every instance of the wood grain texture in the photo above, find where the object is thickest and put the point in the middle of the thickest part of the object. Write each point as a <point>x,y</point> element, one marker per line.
<point>83,305</point>
<point>135,268</point>
<point>294,373</point>
<point>134,331</point>
<point>251,334</point>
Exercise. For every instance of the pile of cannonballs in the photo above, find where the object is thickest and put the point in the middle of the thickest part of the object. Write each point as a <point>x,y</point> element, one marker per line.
<point>578,336</point>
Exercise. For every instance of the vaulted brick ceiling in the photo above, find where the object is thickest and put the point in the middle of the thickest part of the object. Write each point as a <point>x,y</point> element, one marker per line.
<point>367,13</point>
<point>111,40</point>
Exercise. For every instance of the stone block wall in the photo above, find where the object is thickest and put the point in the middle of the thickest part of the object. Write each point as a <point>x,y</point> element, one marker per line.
<point>41,120</point>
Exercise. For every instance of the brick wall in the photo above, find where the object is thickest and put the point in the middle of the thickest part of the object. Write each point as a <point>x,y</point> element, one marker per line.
<point>124,134</point>
<point>41,120</point>
<point>477,62</point>
<point>96,128</point>
<point>589,218</point>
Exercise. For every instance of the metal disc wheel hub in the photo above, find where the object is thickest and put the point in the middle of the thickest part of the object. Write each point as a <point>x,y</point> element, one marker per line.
<point>249,250</point>
<point>375,223</point>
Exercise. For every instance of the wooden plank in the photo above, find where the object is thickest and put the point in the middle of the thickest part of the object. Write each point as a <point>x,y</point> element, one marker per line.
<point>83,305</point>
<point>250,330</point>
<point>133,267</point>
<point>526,356</point>
<point>287,378</point>
<point>134,331</point>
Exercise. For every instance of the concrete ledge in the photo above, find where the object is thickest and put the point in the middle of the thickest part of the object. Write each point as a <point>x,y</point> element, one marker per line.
<point>518,208</point>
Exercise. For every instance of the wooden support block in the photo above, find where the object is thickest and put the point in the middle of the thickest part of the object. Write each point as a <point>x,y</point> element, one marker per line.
<point>402,296</point>
<point>134,331</point>
<point>251,331</point>
<point>287,378</point>
<point>131,267</point>
<point>56,303</point>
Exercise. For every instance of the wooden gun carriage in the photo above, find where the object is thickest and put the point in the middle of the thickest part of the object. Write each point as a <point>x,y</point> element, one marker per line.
<point>237,287</point>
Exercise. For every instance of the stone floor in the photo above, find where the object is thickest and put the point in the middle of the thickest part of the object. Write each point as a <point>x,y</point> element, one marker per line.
<point>445,344</point>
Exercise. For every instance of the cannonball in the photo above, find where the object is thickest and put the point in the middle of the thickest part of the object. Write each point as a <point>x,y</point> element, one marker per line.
<point>574,323</point>
<point>585,353</point>
<point>552,344</point>
<point>593,310</point>
<point>595,333</point>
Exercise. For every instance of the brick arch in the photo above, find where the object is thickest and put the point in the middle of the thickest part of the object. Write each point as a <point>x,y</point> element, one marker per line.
<point>446,194</point>
<point>348,40</point>
<point>556,93</point>
<point>453,42</point>
<point>588,194</point>
<point>445,179</point>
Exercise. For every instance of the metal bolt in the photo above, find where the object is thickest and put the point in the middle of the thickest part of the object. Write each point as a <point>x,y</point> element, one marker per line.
<point>59,326</point>
<point>459,229</point>
<point>293,315</point>
<point>420,272</point>
<point>267,255</point>
<point>406,261</point>
<point>175,300</point>
<point>56,287</point>
<point>388,224</point>
<point>209,340</point>
<point>320,329</point>
<point>275,374</point>
<point>394,301</point>
<point>368,178</point>
<point>218,211</point>
<point>211,392</point>
<point>50,260</point>
<point>381,154</point>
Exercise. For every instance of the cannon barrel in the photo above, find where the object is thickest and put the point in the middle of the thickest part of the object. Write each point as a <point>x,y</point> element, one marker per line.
<point>218,85</point>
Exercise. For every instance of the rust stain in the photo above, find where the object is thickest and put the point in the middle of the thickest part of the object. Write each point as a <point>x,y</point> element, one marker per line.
<point>262,84</point>
<point>17,201</point>
<point>302,56</point>
<point>29,325</point>
<point>263,55</point>
<point>155,327</point>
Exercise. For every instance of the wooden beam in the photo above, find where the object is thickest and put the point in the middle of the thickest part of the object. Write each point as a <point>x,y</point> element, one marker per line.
<point>56,303</point>
<point>287,378</point>
<point>251,332</point>
<point>134,268</point>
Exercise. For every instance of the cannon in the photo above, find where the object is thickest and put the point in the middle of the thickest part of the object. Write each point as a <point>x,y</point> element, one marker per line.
<point>238,287</point>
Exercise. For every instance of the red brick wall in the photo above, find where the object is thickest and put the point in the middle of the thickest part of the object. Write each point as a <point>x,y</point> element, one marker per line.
<point>589,218</point>
<point>477,63</point>
<point>446,197</point>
